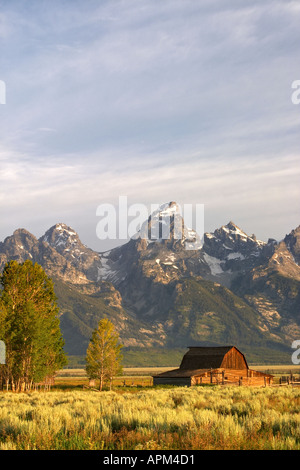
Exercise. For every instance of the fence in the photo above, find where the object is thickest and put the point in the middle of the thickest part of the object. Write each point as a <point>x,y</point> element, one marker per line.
<point>289,380</point>
<point>233,377</point>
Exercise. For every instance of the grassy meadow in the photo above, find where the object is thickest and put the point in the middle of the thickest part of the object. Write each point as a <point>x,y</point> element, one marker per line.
<point>152,418</point>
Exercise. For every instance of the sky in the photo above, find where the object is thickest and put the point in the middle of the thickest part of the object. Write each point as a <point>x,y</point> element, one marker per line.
<point>173,100</point>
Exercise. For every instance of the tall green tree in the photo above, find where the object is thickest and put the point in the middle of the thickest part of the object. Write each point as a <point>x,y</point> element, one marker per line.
<point>103,358</point>
<point>29,325</point>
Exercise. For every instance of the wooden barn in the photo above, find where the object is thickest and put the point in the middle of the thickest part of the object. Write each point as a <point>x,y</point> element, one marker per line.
<point>215,365</point>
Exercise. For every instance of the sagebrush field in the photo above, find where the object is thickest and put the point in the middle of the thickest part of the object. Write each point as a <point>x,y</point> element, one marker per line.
<point>158,418</point>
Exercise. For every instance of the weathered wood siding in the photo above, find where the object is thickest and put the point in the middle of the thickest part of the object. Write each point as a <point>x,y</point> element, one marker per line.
<point>234,359</point>
<point>180,381</point>
<point>232,376</point>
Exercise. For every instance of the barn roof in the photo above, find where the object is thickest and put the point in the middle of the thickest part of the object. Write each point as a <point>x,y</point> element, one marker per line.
<point>202,357</point>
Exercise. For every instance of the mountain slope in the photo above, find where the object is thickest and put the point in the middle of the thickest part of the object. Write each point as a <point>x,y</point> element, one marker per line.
<point>292,242</point>
<point>81,309</point>
<point>22,245</point>
<point>66,242</point>
<point>273,290</point>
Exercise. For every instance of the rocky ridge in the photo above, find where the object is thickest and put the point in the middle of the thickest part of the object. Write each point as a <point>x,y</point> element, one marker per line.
<point>159,293</point>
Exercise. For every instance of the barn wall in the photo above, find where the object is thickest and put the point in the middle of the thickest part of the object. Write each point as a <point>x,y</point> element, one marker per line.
<point>180,381</point>
<point>233,376</point>
<point>218,376</point>
<point>233,359</point>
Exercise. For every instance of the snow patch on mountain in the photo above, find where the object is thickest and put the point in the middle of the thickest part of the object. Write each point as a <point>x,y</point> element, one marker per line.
<point>214,264</point>
<point>235,256</point>
<point>60,235</point>
<point>110,270</point>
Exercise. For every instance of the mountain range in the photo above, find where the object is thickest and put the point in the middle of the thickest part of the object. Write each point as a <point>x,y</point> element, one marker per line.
<point>232,289</point>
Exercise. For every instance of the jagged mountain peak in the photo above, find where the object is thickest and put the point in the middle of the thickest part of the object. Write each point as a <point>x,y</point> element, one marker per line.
<point>20,241</point>
<point>148,276</point>
<point>230,249</point>
<point>60,234</point>
<point>168,208</point>
<point>63,227</point>
<point>166,225</point>
<point>232,226</point>
<point>64,239</point>
<point>22,232</point>
<point>234,230</point>
<point>292,241</point>
<point>165,211</point>
<point>233,233</point>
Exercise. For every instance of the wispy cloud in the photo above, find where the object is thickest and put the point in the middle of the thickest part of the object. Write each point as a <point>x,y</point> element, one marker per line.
<point>172,100</point>
<point>246,190</point>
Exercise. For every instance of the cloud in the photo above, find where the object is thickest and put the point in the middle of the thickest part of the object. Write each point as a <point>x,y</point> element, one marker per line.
<point>178,100</point>
<point>247,190</point>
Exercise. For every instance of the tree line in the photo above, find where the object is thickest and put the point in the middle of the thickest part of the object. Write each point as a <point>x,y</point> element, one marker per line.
<point>30,330</point>
<point>29,326</point>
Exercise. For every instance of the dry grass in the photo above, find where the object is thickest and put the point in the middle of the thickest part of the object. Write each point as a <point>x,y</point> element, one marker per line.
<point>142,376</point>
<point>132,376</point>
<point>131,371</point>
<point>158,418</point>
